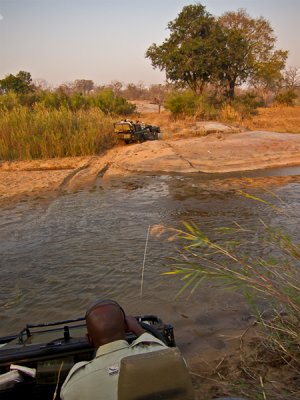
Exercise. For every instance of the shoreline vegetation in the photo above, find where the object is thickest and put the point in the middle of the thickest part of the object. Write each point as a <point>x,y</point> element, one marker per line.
<point>40,133</point>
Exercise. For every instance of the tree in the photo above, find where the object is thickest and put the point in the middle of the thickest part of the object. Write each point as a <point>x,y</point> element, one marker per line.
<point>20,83</point>
<point>256,61</point>
<point>42,85</point>
<point>116,87</point>
<point>291,78</point>
<point>133,91</point>
<point>233,67</point>
<point>157,94</point>
<point>83,86</point>
<point>189,55</point>
<point>228,51</point>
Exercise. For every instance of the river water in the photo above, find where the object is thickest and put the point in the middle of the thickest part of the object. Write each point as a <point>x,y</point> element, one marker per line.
<point>59,255</point>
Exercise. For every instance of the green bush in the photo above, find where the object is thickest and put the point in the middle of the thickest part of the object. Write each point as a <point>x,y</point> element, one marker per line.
<point>246,105</point>
<point>50,100</point>
<point>182,104</point>
<point>111,104</point>
<point>105,100</point>
<point>9,101</point>
<point>242,107</point>
<point>286,98</point>
<point>189,104</point>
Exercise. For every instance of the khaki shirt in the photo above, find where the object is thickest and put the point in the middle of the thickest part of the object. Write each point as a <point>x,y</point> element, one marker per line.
<point>98,378</point>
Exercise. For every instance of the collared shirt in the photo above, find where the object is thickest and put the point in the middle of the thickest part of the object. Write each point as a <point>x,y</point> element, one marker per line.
<point>98,378</point>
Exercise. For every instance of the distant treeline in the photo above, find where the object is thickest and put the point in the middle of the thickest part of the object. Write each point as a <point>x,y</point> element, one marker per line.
<point>20,91</point>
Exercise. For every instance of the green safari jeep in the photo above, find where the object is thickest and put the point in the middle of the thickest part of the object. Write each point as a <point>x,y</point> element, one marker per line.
<point>132,132</point>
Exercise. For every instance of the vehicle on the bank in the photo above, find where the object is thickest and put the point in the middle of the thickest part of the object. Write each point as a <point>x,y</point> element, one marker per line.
<point>132,132</point>
<point>35,362</point>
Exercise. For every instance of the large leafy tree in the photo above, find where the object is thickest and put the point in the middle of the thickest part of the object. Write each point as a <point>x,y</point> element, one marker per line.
<point>250,54</point>
<point>228,51</point>
<point>20,83</point>
<point>189,55</point>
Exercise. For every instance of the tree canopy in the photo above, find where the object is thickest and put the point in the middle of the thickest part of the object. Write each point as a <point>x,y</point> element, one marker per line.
<point>189,55</point>
<point>261,64</point>
<point>20,83</point>
<point>226,51</point>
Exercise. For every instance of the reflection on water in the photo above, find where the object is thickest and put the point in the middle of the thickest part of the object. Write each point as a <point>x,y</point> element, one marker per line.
<point>59,256</point>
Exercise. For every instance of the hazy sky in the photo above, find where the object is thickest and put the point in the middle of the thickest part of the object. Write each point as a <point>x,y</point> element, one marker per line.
<point>105,40</point>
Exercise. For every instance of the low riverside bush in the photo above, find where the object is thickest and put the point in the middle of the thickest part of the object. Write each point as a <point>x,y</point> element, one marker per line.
<point>208,107</point>
<point>188,104</point>
<point>46,133</point>
<point>182,104</point>
<point>239,109</point>
<point>286,98</point>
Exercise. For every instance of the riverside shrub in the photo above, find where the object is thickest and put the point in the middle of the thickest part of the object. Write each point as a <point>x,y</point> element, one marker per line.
<point>189,104</point>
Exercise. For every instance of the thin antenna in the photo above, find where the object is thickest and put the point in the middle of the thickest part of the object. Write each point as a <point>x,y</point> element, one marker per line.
<point>143,268</point>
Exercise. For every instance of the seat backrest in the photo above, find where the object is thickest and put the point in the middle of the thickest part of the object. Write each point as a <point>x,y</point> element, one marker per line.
<point>156,375</point>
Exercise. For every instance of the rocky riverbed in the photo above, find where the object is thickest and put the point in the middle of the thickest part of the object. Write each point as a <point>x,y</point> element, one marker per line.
<point>215,153</point>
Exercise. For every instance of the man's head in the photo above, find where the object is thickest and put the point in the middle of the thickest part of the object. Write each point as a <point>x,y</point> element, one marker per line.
<point>106,322</point>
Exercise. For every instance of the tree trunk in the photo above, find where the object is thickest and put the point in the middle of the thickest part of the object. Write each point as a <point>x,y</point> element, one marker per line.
<point>231,89</point>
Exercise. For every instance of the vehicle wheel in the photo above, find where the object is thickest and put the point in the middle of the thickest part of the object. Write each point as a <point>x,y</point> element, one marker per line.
<point>149,134</point>
<point>127,141</point>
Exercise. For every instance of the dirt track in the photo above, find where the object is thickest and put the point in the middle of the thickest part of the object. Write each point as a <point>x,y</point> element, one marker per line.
<point>217,152</point>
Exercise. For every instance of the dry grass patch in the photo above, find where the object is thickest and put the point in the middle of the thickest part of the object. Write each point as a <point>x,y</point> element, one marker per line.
<point>173,128</point>
<point>278,119</point>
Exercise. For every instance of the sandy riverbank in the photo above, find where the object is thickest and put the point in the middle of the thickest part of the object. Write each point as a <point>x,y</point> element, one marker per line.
<point>214,153</point>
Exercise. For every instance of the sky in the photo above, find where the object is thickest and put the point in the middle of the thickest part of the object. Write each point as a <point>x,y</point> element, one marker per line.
<point>104,40</point>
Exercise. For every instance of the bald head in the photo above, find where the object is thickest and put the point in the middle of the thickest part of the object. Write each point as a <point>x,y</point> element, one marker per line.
<point>105,323</point>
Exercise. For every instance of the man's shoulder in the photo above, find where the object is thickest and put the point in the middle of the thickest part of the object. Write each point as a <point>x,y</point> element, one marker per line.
<point>75,369</point>
<point>148,339</point>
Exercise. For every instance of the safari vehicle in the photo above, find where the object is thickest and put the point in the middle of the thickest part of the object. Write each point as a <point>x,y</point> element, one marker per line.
<point>132,132</point>
<point>35,362</point>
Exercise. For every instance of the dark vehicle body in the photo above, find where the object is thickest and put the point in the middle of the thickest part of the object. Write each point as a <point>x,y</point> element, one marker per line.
<point>132,132</point>
<point>50,350</point>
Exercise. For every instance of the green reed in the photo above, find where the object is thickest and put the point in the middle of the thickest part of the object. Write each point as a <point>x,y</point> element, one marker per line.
<point>42,133</point>
<point>272,280</point>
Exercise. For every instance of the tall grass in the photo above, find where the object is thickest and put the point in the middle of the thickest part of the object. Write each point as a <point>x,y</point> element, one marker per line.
<point>46,133</point>
<point>272,281</point>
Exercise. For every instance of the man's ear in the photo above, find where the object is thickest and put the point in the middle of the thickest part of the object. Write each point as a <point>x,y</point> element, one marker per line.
<point>90,340</point>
